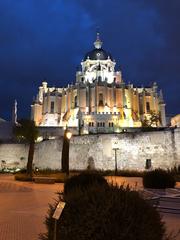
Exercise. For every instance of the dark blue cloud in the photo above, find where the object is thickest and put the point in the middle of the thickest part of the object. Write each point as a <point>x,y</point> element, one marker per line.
<point>49,39</point>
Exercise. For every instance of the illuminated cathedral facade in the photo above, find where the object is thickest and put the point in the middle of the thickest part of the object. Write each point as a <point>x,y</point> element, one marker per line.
<point>99,101</point>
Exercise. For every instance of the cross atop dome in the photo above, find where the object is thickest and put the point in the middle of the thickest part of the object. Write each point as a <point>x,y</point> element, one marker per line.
<point>98,43</point>
<point>98,53</point>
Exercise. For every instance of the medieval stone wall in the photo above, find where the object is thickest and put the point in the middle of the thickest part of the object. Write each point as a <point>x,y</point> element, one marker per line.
<point>163,148</point>
<point>96,151</point>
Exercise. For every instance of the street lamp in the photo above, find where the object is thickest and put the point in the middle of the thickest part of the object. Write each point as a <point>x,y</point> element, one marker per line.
<point>68,134</point>
<point>65,151</point>
<point>115,148</point>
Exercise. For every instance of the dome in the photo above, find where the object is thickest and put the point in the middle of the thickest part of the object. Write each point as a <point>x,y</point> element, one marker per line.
<point>98,54</point>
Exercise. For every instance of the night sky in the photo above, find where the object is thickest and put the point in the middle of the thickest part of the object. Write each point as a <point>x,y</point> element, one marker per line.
<point>48,39</point>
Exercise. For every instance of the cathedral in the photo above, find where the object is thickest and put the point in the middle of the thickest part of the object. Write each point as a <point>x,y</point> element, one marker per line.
<point>99,101</point>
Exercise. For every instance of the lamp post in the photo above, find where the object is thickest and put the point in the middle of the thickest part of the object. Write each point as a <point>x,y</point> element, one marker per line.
<point>115,151</point>
<point>65,151</point>
<point>115,148</point>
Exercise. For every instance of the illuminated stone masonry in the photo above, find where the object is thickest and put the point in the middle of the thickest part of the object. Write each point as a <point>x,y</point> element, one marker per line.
<point>162,148</point>
<point>99,101</point>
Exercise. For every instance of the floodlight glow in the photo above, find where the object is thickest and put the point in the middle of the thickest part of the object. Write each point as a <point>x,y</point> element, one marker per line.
<point>69,135</point>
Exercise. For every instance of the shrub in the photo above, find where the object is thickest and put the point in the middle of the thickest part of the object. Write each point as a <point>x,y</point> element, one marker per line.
<point>82,182</point>
<point>100,212</point>
<point>158,178</point>
<point>175,170</point>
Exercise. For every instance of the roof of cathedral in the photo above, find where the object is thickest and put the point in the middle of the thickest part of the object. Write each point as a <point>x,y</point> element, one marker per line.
<point>98,53</point>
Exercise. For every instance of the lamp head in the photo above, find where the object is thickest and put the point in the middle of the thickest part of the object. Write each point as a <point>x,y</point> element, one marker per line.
<point>68,134</point>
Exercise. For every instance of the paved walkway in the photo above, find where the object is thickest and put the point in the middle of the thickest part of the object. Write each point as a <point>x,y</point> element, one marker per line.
<point>23,207</point>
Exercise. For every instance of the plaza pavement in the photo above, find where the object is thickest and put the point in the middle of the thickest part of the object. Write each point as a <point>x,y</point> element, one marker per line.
<point>23,207</point>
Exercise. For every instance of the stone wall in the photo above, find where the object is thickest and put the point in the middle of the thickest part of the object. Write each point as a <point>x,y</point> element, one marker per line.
<point>96,151</point>
<point>47,154</point>
<point>163,148</point>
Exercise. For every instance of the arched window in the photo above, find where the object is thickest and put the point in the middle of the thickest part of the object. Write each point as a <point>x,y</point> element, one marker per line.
<point>147,107</point>
<point>101,104</point>
<point>52,107</point>
<point>75,101</point>
<point>99,79</point>
<point>111,124</point>
<point>124,115</point>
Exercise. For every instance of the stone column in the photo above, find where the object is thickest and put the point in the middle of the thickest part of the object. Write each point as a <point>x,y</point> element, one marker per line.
<point>96,92</point>
<point>143,102</point>
<point>106,93</point>
<point>89,89</point>
<point>66,100</point>
<point>114,94</point>
<point>123,99</point>
<point>162,109</point>
<point>163,114</point>
<point>152,101</point>
<point>78,95</point>
<point>48,102</point>
<point>87,96</point>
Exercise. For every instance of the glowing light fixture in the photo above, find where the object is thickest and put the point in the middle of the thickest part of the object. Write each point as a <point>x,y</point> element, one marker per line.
<point>68,134</point>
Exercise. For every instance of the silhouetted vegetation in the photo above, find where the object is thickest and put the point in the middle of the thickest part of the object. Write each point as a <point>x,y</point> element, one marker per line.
<point>83,182</point>
<point>175,172</point>
<point>26,131</point>
<point>94,210</point>
<point>158,178</point>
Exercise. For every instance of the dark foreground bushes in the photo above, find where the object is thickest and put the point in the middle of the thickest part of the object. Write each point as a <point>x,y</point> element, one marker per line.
<point>82,183</point>
<point>96,211</point>
<point>158,178</point>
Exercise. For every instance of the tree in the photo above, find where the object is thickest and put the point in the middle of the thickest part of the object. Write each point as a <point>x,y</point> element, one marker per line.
<point>27,131</point>
<point>152,120</point>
